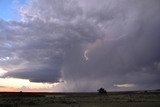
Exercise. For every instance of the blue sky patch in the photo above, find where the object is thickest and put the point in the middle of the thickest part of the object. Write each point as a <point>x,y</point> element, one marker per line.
<point>9,9</point>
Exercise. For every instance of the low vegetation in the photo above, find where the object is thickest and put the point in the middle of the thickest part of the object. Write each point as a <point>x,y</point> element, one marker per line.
<point>102,91</point>
<point>19,99</point>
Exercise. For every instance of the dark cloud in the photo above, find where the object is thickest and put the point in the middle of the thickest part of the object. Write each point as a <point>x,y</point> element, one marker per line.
<point>36,75</point>
<point>119,38</point>
<point>2,86</point>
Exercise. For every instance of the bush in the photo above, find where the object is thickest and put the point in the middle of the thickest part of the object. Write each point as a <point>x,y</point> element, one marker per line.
<point>102,91</point>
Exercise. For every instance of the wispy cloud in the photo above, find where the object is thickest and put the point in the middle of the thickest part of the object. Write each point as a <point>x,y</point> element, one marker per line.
<point>124,85</point>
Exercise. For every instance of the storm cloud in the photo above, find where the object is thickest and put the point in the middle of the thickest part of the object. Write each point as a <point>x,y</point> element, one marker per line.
<point>85,44</point>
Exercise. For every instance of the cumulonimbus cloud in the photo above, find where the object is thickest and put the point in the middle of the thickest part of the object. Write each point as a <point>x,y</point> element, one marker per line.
<point>49,44</point>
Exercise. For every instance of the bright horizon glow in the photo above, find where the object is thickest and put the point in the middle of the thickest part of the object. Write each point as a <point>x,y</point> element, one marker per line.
<point>15,84</point>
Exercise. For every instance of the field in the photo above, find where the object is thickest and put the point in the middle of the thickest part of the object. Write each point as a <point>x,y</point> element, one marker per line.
<point>111,99</point>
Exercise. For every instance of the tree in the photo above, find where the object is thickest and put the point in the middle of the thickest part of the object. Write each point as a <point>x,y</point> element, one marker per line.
<point>102,91</point>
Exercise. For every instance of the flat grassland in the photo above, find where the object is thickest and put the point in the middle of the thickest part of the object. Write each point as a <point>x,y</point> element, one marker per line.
<point>111,99</point>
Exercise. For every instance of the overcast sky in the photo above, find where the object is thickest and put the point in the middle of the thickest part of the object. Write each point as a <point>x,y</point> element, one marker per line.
<point>82,45</point>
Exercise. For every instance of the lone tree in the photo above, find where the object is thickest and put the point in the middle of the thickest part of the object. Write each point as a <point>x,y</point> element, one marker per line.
<point>102,91</point>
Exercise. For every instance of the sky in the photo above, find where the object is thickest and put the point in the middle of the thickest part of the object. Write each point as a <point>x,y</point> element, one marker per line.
<point>79,45</point>
<point>9,9</point>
